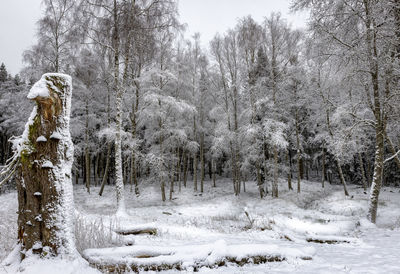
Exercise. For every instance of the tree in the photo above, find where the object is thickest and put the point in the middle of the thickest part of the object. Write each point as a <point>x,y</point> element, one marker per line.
<point>121,20</point>
<point>57,33</point>
<point>254,136</point>
<point>368,44</point>
<point>278,35</point>
<point>296,87</point>
<point>226,53</point>
<point>251,36</point>
<point>87,75</point>
<point>3,73</point>
<point>42,160</point>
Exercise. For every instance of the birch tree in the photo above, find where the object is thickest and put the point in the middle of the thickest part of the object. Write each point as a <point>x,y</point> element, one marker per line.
<point>367,41</point>
<point>57,33</point>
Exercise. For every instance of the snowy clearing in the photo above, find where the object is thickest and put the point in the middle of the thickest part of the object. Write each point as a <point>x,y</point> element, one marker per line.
<point>197,230</point>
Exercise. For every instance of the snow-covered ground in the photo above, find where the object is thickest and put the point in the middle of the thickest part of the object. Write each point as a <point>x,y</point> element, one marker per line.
<point>215,222</point>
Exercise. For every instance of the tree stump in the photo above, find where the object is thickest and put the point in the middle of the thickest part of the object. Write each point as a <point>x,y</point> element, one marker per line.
<point>45,197</point>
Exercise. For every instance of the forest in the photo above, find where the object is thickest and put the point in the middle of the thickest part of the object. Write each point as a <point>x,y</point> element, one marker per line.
<point>270,149</point>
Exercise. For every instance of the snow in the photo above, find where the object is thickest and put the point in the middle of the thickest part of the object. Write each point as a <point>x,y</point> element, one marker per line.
<point>19,144</point>
<point>41,139</point>
<point>56,136</point>
<point>32,264</point>
<point>37,245</point>
<point>47,164</point>
<point>203,221</point>
<point>200,230</point>
<point>40,88</point>
<point>39,218</point>
<point>189,255</point>
<point>62,171</point>
<point>134,228</point>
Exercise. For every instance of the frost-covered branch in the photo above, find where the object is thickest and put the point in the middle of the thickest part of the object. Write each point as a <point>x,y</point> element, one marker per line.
<point>10,174</point>
<point>392,157</point>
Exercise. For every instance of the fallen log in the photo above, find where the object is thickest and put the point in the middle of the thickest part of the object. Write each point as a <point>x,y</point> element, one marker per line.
<point>144,258</point>
<point>122,268</point>
<point>329,239</point>
<point>136,230</point>
<point>326,241</point>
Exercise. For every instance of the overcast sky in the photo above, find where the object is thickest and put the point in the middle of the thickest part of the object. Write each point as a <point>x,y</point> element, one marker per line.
<point>18,17</point>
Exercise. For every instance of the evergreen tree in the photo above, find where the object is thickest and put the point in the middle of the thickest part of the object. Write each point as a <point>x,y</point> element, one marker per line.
<point>3,73</point>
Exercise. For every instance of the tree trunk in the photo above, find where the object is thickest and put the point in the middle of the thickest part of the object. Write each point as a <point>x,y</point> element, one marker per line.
<point>210,169</point>
<point>369,172</point>
<point>289,175</point>
<point>185,168</point>
<point>372,54</point>
<point>172,181</point>
<point>342,180</point>
<point>202,162</point>
<point>87,156</point>
<point>97,169</point>
<point>45,202</point>
<point>377,178</point>
<point>162,177</point>
<point>265,167</point>
<point>178,169</point>
<point>307,164</point>
<point>133,178</point>
<point>83,167</point>
<point>163,196</point>
<point>323,167</point>
<point>275,182</point>
<point>364,179</point>
<point>119,183</point>
<point>76,175</point>
<point>105,176</point>
<point>259,181</point>
<point>299,169</point>
<point>195,171</point>
<point>87,169</point>
<point>213,172</point>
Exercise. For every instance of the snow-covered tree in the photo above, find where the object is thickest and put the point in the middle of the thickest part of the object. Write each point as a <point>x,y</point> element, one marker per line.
<point>42,160</point>
<point>367,42</point>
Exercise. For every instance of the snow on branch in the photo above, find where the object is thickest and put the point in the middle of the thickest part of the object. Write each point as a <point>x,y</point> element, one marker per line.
<point>178,106</point>
<point>275,132</point>
<point>392,157</point>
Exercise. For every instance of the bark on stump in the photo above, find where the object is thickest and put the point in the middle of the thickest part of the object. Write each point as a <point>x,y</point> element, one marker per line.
<point>45,210</point>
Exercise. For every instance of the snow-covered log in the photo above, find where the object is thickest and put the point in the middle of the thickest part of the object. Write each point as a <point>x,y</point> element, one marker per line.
<point>44,174</point>
<point>137,229</point>
<point>192,257</point>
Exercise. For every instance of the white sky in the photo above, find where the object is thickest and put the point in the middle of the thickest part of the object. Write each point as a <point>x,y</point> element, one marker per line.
<point>17,30</point>
<point>211,16</point>
<point>18,17</point>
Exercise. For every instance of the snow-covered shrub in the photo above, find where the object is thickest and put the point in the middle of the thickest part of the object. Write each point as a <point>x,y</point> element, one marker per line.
<point>96,234</point>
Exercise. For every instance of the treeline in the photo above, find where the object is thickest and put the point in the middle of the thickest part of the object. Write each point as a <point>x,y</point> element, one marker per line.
<point>13,105</point>
<point>264,101</point>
